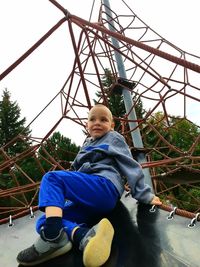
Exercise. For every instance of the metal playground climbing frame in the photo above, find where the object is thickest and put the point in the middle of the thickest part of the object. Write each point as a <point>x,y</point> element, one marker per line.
<point>163,76</point>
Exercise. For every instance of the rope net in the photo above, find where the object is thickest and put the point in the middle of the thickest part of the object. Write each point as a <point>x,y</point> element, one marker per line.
<point>161,76</point>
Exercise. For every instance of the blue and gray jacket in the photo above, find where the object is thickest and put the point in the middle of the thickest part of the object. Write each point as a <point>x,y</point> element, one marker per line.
<point>110,157</point>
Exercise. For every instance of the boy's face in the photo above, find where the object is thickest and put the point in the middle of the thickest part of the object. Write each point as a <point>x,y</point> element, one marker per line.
<point>99,122</point>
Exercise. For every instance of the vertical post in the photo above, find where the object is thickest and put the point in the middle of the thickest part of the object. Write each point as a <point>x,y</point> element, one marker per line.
<point>136,137</point>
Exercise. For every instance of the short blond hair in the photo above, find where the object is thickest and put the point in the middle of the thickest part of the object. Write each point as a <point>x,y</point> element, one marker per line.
<point>102,106</point>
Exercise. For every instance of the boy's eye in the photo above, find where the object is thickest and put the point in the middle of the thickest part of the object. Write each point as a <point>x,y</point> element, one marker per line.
<point>101,119</point>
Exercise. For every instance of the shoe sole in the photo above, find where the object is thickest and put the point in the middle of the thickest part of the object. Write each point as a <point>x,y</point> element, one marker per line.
<point>97,251</point>
<point>53,255</point>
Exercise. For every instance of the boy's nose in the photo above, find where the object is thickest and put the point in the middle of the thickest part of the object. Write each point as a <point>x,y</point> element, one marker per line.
<point>97,122</point>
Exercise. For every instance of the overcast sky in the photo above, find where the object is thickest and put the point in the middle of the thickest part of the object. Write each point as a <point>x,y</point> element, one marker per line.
<point>36,81</point>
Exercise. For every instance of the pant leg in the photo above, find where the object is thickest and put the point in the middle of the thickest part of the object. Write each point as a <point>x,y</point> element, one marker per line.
<point>90,197</point>
<point>93,192</point>
<point>73,216</point>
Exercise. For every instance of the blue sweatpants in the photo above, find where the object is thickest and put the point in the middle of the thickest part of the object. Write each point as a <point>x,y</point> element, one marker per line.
<point>82,197</point>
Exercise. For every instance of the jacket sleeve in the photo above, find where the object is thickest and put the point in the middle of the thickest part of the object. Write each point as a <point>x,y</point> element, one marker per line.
<point>130,170</point>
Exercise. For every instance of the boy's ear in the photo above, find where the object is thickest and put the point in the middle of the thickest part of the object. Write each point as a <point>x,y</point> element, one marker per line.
<point>86,125</point>
<point>112,125</point>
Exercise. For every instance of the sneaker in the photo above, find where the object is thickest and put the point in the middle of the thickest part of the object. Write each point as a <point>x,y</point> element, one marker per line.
<point>43,249</point>
<point>96,244</point>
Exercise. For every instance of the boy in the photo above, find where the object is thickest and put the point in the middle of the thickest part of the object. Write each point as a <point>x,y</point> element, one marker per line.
<point>92,191</point>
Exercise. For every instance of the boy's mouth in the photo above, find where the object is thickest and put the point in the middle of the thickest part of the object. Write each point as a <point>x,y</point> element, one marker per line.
<point>97,129</point>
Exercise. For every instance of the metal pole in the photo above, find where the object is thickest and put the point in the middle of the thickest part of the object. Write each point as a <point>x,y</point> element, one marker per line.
<point>136,137</point>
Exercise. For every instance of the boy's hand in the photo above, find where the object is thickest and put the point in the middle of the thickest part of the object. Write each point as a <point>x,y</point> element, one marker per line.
<point>156,201</point>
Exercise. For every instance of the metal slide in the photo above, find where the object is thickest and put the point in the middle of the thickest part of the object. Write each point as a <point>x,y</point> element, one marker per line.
<point>144,236</point>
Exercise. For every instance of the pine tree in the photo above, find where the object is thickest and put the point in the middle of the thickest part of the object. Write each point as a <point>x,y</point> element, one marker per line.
<point>11,125</point>
<point>116,101</point>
